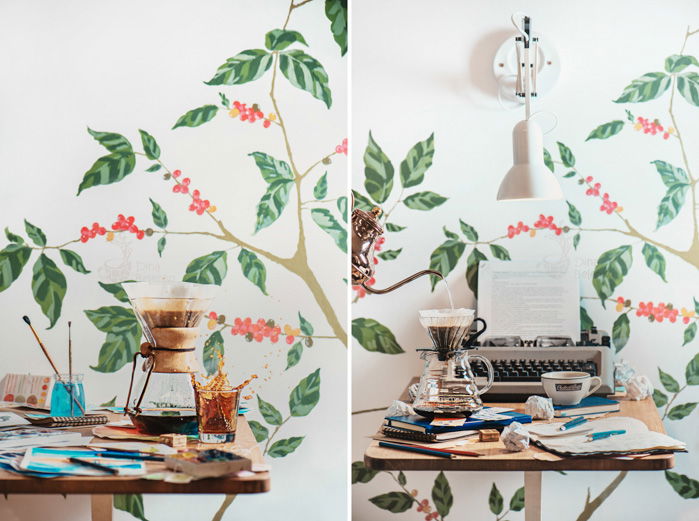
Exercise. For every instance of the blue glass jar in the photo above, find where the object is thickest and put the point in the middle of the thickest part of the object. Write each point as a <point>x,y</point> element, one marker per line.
<point>66,392</point>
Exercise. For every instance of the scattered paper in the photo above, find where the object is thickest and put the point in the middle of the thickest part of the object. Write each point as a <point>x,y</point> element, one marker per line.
<point>134,446</point>
<point>55,461</point>
<point>448,422</point>
<point>10,419</point>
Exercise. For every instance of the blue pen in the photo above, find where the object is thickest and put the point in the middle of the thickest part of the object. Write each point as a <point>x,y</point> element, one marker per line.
<point>573,423</point>
<point>419,450</point>
<point>604,434</point>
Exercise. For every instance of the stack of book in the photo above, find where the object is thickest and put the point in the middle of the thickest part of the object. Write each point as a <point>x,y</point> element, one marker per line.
<point>588,406</point>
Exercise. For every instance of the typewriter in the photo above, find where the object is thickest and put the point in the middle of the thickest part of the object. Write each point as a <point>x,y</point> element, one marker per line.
<point>518,364</point>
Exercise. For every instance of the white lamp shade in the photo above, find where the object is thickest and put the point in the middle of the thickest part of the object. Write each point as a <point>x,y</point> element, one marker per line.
<point>529,177</point>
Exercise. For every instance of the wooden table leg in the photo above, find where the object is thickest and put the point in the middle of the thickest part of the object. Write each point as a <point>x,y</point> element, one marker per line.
<point>101,506</point>
<point>532,496</point>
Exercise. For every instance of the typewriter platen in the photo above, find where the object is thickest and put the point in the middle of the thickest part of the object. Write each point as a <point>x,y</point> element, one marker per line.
<point>518,364</point>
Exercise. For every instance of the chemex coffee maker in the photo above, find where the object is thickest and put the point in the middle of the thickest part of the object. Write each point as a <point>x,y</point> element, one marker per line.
<point>169,313</point>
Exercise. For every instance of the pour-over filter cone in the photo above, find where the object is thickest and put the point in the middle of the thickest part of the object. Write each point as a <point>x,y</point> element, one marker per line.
<point>447,327</point>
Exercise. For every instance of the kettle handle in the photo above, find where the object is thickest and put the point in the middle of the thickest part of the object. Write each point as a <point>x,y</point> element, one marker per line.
<point>466,356</point>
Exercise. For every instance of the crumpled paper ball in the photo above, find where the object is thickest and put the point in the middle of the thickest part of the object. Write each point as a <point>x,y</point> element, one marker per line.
<point>639,388</point>
<point>539,408</point>
<point>623,372</point>
<point>515,437</point>
<point>398,408</point>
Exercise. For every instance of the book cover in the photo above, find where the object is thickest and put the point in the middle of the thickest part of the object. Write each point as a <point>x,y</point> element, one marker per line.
<point>589,405</point>
<point>421,424</point>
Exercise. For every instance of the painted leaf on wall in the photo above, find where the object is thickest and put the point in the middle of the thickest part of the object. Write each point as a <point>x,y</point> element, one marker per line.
<point>679,62</point>
<point>196,117</point>
<point>606,130</point>
<point>445,258</point>
<point>389,254</point>
<point>449,234</point>
<point>336,11</point>
<point>269,412</point>
<point>659,398</point>
<point>131,503</point>
<point>253,269</point>
<point>391,227</point>
<point>108,169</point>
<point>654,260</point>
<point>305,396</point>
<point>574,214</point>
<point>424,200</point>
<point>260,432</point>
<point>668,382</point>
<point>73,260</point>
<point>648,87</point>
<point>567,157</point>
<point>342,207</point>
<point>441,495</point>
<point>320,190</point>
<point>670,174</point>
<point>548,161</point>
<point>13,258</point>
<point>576,240</point>
<point>361,202</point>
<point>305,326</point>
<point>416,162</point>
<point>35,233</point>
<point>158,214</point>
<point>116,289</point>
<point>213,349</point>
<point>374,336</point>
<point>612,266</point>
<point>327,222</point>
<point>113,319</point>
<point>207,269</point>
<point>495,500</point>
<point>281,448</point>
<point>500,252</point>
<point>685,486</point>
<point>395,502</point>
<point>280,179</point>
<point>671,204</point>
<point>621,331</point>
<point>272,169</point>
<point>306,73</point>
<point>585,320</point>
<point>244,67</point>
<point>688,86</point>
<point>293,356</point>
<point>280,39</point>
<point>111,141</point>
<point>362,474</point>
<point>689,333</point>
<point>517,500</point>
<point>681,411</point>
<point>49,287</point>
<point>12,237</point>
<point>692,371</point>
<point>472,269</point>
<point>469,231</point>
<point>150,145</point>
<point>118,350</point>
<point>161,245</point>
<point>378,172</point>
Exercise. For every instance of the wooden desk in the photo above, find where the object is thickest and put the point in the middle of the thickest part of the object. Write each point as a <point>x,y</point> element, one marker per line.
<point>102,488</point>
<point>532,461</point>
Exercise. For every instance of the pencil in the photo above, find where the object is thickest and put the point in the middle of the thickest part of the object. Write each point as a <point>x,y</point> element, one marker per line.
<point>94,465</point>
<point>452,451</point>
<point>419,450</point>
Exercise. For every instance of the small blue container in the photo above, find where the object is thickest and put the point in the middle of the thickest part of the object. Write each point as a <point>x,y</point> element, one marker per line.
<point>65,393</point>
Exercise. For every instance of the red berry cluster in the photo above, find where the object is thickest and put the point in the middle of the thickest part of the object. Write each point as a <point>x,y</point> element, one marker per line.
<point>547,222</point>
<point>658,313</point>
<point>512,230</point>
<point>424,506</point>
<point>182,187</point>
<point>126,224</point>
<point>251,114</point>
<point>342,147</point>
<point>608,205</point>
<point>653,127</point>
<point>90,233</point>
<point>198,205</point>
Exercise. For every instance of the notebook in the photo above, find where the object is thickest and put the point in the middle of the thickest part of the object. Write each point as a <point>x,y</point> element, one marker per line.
<point>420,424</point>
<point>589,405</point>
<point>406,434</point>
<point>66,421</point>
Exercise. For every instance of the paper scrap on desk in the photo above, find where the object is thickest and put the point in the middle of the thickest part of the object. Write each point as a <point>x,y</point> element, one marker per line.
<point>134,446</point>
<point>448,422</point>
<point>554,429</point>
<point>490,415</point>
<point>55,461</point>
<point>10,419</point>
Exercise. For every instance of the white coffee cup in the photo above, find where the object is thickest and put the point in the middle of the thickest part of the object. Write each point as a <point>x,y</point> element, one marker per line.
<point>569,387</point>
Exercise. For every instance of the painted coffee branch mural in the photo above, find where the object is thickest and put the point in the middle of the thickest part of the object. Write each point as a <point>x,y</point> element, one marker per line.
<point>638,249</point>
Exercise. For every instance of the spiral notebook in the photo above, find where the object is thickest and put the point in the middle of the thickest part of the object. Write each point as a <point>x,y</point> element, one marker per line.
<point>66,421</point>
<point>405,434</point>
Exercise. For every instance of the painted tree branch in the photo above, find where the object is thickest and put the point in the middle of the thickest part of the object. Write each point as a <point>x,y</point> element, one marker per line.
<point>591,506</point>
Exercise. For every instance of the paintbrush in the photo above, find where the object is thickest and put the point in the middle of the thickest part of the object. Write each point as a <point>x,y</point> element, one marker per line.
<point>53,365</point>
<point>70,367</point>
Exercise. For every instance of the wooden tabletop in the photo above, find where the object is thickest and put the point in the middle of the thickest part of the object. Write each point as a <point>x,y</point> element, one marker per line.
<point>245,445</point>
<point>496,457</point>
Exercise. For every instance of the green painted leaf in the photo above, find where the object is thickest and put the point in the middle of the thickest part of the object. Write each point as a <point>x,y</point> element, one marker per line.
<point>375,337</point>
<point>49,287</point>
<point>253,269</point>
<point>659,398</point>
<point>73,260</point>
<point>669,174</point>
<point>280,180</point>
<point>293,356</point>
<point>391,227</point>
<point>629,116</point>
<point>272,169</point>
<point>441,495</point>
<point>395,502</point>
<point>389,254</point>
<point>260,432</point>
<point>668,382</point>
<point>35,233</point>
<point>567,156</point>
<point>362,474</point>
<point>679,62</point>
<point>224,100</point>
<point>517,500</point>
<point>196,117</point>
<point>548,161</point>
<point>424,200</point>
<point>654,260</point>
<point>108,169</point>
<point>342,207</point>
<point>269,412</point>
<point>131,503</point>
<point>612,266</point>
<point>696,305</point>
<point>113,319</point>
<point>117,290</point>
<point>691,373</point>
<point>306,73</point>
<point>495,500</point>
<point>606,130</point>
<point>12,237</point>
<point>150,145</point>
<point>361,202</point>
<point>305,326</point>
<point>500,252</point>
<point>570,174</point>
<point>416,163</point>
<point>574,214</point>
<point>689,333</point>
<point>207,269</point>
<point>681,411</point>
<point>671,204</point>
<point>621,331</point>
<point>648,87</point>
<point>123,336</point>
<point>402,480</point>
<point>280,39</point>
<point>585,320</point>
<point>213,349</point>
<point>161,246</point>
<point>378,173</point>
<point>449,234</point>
<point>305,396</point>
<point>576,240</point>
<point>445,258</point>
<point>110,403</point>
<point>159,215</point>
<point>111,141</point>
<point>686,487</point>
<point>469,231</point>
<point>327,222</point>
<point>336,12</point>
<point>281,448</point>
<point>320,190</point>
<point>472,270</point>
<point>688,86</point>
<point>153,168</point>
<point>244,67</point>
<point>12,261</point>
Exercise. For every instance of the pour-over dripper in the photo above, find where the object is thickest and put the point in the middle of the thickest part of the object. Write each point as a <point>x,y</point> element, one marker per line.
<point>447,327</point>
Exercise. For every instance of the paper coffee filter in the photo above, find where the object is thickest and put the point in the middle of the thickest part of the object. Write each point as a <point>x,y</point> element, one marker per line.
<point>459,317</point>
